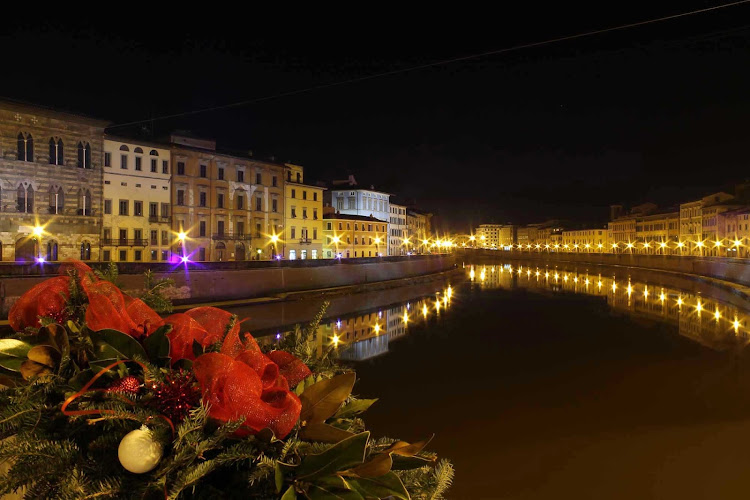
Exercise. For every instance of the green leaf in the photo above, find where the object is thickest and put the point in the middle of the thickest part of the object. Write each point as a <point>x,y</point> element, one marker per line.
<point>183,364</point>
<point>44,355</point>
<point>375,467</point>
<point>321,400</point>
<point>11,363</point>
<point>278,477</point>
<point>56,336</point>
<point>98,365</point>
<point>289,494</point>
<point>408,463</point>
<point>197,349</point>
<point>114,344</point>
<point>157,344</point>
<point>323,433</point>
<point>332,488</point>
<point>354,407</point>
<point>343,455</point>
<point>15,348</point>
<point>388,485</point>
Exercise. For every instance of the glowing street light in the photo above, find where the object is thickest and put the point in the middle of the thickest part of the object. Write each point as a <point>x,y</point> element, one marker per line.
<point>38,230</point>
<point>181,236</point>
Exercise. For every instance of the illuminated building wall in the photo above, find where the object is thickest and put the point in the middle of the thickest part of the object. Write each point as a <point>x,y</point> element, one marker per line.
<point>136,219</point>
<point>488,235</point>
<point>586,240</point>
<point>303,216</point>
<point>227,205</point>
<point>398,230</point>
<point>419,228</point>
<point>353,236</point>
<point>51,165</point>
<point>735,225</point>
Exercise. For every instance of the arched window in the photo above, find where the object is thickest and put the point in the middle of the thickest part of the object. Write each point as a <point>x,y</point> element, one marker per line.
<point>138,150</point>
<point>124,148</point>
<point>51,251</point>
<point>85,250</point>
<point>56,201</point>
<point>25,147</point>
<point>56,156</point>
<point>84,202</point>
<point>25,199</point>
<point>154,152</point>
<point>84,155</point>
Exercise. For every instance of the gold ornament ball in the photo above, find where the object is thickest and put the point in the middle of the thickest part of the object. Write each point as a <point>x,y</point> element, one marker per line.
<point>139,452</point>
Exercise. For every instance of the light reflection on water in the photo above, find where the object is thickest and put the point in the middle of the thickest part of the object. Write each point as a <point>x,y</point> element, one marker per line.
<point>713,323</point>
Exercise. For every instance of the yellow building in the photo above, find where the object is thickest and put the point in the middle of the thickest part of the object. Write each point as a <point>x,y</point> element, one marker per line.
<point>585,240</point>
<point>303,216</point>
<point>658,233</point>
<point>136,214</point>
<point>354,236</point>
<point>735,226</point>
<point>228,207</point>
<point>691,220</point>
<point>488,235</point>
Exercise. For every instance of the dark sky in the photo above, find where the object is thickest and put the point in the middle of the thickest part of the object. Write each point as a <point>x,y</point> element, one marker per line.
<point>652,113</point>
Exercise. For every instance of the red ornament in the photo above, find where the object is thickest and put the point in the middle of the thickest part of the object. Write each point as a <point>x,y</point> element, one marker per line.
<point>129,385</point>
<point>176,395</point>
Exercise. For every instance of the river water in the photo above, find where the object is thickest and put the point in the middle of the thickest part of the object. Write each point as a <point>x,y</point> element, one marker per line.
<point>553,382</point>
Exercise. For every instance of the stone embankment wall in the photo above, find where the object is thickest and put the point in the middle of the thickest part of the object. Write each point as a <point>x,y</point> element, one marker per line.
<point>238,280</point>
<point>734,270</point>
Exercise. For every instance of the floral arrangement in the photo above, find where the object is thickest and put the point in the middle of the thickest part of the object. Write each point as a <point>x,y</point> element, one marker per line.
<point>105,398</point>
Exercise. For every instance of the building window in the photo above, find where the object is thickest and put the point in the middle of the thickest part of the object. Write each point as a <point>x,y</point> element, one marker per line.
<point>180,197</point>
<point>299,177</point>
<point>137,255</point>
<point>315,196</point>
<point>294,193</point>
<point>240,176</point>
<point>154,237</point>
<point>56,152</point>
<point>84,202</point>
<point>154,165</point>
<point>165,210</point>
<point>164,167</point>
<point>258,203</point>
<point>180,168</point>
<point>204,171</point>
<point>124,207</point>
<point>202,254</point>
<point>258,178</point>
<point>84,155</point>
<point>293,232</point>
<point>123,161</point>
<point>274,181</point>
<point>25,147</point>
<point>164,238</point>
<point>294,213</point>
<point>107,159</point>
<point>108,207</point>
<point>138,208</point>
<point>202,228</point>
<point>292,254</point>
<point>221,173</point>
<point>85,250</point>
<point>153,209</point>
<point>240,202</point>
<point>315,214</point>
<point>123,255</point>
<point>304,213</point>
<point>240,228</point>
<point>304,195</point>
<point>315,233</point>
<point>220,227</point>
<point>274,206</point>
<point>202,199</point>
<point>220,200</point>
<point>138,163</point>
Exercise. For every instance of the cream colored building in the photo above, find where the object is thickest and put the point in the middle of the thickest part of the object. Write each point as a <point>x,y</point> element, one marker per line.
<point>586,240</point>
<point>303,226</point>
<point>691,220</point>
<point>658,233</point>
<point>488,235</point>
<point>136,223</point>
<point>398,231</point>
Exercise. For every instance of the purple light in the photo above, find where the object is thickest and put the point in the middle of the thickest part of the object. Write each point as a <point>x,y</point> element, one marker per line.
<point>40,260</point>
<point>338,324</point>
<point>278,257</point>
<point>184,259</point>
<point>278,336</point>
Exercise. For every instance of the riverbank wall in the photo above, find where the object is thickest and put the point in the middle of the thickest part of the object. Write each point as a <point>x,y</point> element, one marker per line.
<point>214,281</point>
<point>733,270</point>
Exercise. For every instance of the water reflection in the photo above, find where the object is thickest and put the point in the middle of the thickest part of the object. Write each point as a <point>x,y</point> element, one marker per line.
<point>367,334</point>
<point>713,323</point>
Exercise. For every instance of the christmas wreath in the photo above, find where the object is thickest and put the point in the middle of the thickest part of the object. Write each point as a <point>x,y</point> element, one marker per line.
<point>105,398</point>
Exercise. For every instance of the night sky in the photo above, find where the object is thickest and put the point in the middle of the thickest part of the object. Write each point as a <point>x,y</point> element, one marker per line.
<point>655,113</point>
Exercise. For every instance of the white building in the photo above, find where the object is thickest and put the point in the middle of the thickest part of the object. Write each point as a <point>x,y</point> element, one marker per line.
<point>364,202</point>
<point>136,215</point>
<point>398,230</point>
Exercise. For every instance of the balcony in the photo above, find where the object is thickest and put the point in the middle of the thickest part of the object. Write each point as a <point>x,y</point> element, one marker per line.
<point>230,236</point>
<point>159,219</point>
<point>124,242</point>
<point>305,241</point>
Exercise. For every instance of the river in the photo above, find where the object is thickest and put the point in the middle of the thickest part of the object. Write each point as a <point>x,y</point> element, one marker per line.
<point>553,382</point>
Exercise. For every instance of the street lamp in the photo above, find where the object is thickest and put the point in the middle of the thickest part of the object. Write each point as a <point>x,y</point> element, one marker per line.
<point>335,240</point>
<point>274,240</point>
<point>377,246</point>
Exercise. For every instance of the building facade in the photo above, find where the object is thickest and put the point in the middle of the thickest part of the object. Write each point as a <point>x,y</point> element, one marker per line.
<point>488,235</point>
<point>303,220</point>
<point>354,236</point>
<point>136,215</point>
<point>691,219</point>
<point>50,184</point>
<point>419,228</point>
<point>398,231</point>
<point>362,202</point>
<point>224,207</point>
<point>586,240</point>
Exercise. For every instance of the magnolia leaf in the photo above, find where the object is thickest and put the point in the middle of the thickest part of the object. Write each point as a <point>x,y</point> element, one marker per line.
<point>324,433</point>
<point>100,364</point>
<point>197,348</point>
<point>44,355</point>
<point>408,463</point>
<point>278,477</point>
<point>11,363</point>
<point>377,466</point>
<point>157,344</point>
<point>321,400</point>
<point>289,494</point>
<point>408,450</point>
<point>80,379</point>
<point>332,488</point>
<point>9,381</point>
<point>354,407</point>
<point>15,348</point>
<point>31,369</point>
<point>57,337</point>
<point>386,486</point>
<point>114,344</point>
<point>310,380</point>
<point>343,455</point>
